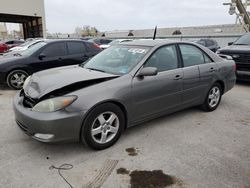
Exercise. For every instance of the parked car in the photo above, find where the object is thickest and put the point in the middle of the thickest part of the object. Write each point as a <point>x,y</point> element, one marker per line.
<point>114,42</point>
<point>100,41</point>
<point>3,47</point>
<point>44,55</point>
<point>122,86</point>
<point>14,43</point>
<point>25,45</point>
<point>240,52</point>
<point>211,44</point>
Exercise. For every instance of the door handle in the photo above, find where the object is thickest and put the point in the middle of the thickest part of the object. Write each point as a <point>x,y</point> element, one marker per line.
<point>177,77</point>
<point>212,69</point>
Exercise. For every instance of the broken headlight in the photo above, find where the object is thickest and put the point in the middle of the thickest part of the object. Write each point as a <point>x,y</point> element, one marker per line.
<point>54,104</point>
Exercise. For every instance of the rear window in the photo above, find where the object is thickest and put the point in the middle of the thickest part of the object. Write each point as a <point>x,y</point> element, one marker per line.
<point>76,48</point>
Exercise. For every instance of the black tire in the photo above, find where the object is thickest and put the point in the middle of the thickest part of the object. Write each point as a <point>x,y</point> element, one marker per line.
<point>206,106</point>
<point>11,77</point>
<point>91,121</point>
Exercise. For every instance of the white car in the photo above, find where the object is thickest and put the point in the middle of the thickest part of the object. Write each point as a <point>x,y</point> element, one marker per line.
<point>24,46</point>
<point>117,41</point>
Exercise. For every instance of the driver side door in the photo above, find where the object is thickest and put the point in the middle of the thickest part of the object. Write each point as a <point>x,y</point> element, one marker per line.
<point>159,94</point>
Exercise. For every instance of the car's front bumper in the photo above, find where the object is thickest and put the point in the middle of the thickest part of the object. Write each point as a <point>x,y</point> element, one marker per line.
<point>243,75</point>
<point>48,127</point>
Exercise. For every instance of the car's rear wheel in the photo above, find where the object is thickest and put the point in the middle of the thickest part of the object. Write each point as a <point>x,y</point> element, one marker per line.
<point>16,78</point>
<point>213,98</point>
<point>103,126</point>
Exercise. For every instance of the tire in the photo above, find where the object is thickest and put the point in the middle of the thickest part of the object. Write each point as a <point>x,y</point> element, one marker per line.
<point>213,98</point>
<point>103,126</point>
<point>16,78</point>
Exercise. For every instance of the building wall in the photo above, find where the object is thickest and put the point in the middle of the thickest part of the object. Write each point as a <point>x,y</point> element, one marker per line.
<point>25,8</point>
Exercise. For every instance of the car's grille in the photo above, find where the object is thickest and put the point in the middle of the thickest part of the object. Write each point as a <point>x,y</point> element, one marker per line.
<point>241,59</point>
<point>28,102</point>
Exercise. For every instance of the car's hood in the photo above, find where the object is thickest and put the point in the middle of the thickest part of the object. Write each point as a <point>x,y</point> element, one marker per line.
<point>236,48</point>
<point>63,79</point>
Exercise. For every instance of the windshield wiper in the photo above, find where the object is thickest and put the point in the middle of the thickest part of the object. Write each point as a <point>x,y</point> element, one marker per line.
<point>17,54</point>
<point>240,44</point>
<point>95,69</point>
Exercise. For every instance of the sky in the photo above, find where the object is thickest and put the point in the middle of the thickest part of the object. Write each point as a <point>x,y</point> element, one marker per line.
<point>107,15</point>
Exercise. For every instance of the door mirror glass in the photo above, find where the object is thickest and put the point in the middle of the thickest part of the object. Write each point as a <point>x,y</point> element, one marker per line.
<point>148,71</point>
<point>41,56</point>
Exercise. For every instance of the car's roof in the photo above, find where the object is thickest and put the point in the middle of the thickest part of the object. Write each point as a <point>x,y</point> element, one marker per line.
<point>149,42</point>
<point>64,40</point>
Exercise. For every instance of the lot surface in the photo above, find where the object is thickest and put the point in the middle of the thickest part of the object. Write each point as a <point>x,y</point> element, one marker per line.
<point>192,148</point>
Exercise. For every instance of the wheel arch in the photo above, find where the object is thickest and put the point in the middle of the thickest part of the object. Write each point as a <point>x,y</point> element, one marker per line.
<point>222,84</point>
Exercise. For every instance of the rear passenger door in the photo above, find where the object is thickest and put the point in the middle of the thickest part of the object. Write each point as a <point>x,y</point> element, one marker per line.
<point>77,53</point>
<point>192,58</point>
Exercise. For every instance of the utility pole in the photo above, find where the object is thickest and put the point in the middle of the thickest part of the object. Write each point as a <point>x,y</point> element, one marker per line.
<point>241,14</point>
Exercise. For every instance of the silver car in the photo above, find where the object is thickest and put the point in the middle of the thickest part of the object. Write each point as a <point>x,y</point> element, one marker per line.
<point>125,85</point>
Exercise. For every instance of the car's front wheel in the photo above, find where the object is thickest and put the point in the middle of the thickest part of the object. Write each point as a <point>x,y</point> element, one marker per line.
<point>16,78</point>
<point>213,98</point>
<point>103,126</point>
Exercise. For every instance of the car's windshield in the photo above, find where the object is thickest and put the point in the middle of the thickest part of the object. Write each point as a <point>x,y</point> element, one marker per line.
<point>33,48</point>
<point>118,60</point>
<point>244,40</point>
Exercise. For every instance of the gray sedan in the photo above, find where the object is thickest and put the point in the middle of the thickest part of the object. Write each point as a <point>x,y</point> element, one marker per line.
<point>125,85</point>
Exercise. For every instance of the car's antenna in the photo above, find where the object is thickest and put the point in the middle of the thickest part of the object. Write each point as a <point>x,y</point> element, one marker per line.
<point>155,32</point>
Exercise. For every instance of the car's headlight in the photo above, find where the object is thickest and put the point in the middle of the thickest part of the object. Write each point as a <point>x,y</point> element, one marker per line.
<point>26,82</point>
<point>54,104</point>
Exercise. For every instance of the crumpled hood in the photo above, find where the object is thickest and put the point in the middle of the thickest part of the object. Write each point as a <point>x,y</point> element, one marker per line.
<point>47,81</point>
<point>236,48</point>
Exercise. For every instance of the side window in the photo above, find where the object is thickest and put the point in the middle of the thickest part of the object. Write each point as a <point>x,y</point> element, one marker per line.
<point>163,59</point>
<point>76,48</point>
<point>207,59</point>
<point>55,49</point>
<point>191,55</point>
<point>10,42</point>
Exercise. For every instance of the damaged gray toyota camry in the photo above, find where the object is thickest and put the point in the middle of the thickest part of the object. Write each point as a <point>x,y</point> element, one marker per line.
<point>122,86</point>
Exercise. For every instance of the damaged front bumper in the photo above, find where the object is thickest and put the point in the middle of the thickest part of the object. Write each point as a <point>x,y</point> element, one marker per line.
<point>56,126</point>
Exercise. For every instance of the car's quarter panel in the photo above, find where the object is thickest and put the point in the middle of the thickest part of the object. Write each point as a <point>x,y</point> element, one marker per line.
<point>153,95</point>
<point>208,76</point>
<point>117,90</point>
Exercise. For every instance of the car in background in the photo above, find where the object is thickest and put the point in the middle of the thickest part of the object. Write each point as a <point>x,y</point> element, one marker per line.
<point>14,43</point>
<point>211,44</point>
<point>44,55</point>
<point>240,52</point>
<point>114,42</point>
<point>25,45</point>
<point>3,47</point>
<point>122,86</point>
<point>100,41</point>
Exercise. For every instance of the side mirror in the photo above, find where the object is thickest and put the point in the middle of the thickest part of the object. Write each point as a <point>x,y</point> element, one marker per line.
<point>148,71</point>
<point>41,56</point>
<point>230,43</point>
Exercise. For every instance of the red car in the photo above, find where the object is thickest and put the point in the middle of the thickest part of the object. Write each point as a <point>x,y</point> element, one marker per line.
<point>5,46</point>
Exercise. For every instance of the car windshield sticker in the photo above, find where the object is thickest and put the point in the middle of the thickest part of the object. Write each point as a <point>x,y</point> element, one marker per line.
<point>137,50</point>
